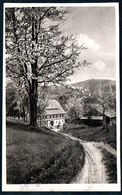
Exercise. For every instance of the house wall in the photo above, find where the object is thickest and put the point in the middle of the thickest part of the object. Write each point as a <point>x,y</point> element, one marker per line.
<point>113,121</point>
<point>110,121</point>
<point>92,122</point>
<point>51,121</point>
<point>56,122</point>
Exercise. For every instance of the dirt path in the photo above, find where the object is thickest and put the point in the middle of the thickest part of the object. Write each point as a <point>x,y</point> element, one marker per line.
<point>94,170</point>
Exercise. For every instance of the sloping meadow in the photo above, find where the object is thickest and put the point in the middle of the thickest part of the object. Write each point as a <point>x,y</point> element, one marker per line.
<point>41,156</point>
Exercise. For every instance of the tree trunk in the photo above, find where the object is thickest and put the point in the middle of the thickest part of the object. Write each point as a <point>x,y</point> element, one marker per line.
<point>23,110</point>
<point>34,84</point>
<point>33,103</point>
<point>104,119</point>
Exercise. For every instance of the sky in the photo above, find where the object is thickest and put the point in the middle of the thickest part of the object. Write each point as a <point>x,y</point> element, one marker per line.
<point>96,29</point>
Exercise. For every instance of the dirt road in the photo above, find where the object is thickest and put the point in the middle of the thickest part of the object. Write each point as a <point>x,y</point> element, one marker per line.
<point>94,170</point>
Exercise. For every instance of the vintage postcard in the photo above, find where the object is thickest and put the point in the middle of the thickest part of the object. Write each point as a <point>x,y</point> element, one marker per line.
<point>61,97</point>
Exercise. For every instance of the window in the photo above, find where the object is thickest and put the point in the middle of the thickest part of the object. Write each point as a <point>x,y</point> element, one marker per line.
<point>51,108</point>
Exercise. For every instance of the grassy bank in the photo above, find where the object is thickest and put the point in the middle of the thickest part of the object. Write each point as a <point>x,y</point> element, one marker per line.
<point>92,133</point>
<point>39,155</point>
<point>111,165</point>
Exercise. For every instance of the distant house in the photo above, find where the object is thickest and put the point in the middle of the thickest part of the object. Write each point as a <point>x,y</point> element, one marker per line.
<point>96,118</point>
<point>110,116</point>
<point>53,115</point>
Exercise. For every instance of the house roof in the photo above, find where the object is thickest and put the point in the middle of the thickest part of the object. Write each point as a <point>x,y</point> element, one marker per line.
<point>99,111</point>
<point>53,108</point>
<point>108,112</point>
<point>92,117</point>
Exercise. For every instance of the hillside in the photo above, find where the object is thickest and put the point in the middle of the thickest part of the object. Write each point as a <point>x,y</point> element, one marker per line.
<point>39,155</point>
<point>97,134</point>
<point>86,83</point>
<point>61,90</point>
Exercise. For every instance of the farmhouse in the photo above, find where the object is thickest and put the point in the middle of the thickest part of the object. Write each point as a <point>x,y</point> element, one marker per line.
<point>53,115</point>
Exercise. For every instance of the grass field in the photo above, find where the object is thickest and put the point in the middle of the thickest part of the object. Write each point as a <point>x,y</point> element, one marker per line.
<point>111,166</point>
<point>92,133</point>
<point>41,156</point>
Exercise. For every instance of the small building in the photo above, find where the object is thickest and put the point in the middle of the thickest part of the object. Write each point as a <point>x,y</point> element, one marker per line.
<point>96,118</point>
<point>54,115</point>
<point>92,120</point>
<point>110,117</point>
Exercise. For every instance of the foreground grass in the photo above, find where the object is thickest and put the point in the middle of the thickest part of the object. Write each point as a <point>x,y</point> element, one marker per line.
<point>92,133</point>
<point>41,156</point>
<point>111,165</point>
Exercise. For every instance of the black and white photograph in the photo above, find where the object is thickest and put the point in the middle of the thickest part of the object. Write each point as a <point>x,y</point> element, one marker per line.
<point>61,109</point>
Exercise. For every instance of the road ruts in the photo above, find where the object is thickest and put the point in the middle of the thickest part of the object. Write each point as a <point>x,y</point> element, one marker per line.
<point>94,170</point>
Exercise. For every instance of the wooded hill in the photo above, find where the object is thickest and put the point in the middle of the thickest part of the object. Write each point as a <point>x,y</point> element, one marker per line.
<point>86,83</point>
<point>61,90</point>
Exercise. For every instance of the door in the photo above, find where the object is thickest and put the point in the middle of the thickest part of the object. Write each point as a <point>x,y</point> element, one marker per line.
<point>51,123</point>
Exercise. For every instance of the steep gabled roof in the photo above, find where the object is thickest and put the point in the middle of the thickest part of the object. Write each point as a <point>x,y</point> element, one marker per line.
<point>53,108</point>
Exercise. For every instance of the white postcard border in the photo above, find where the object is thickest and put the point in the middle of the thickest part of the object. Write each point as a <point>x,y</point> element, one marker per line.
<point>62,187</point>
